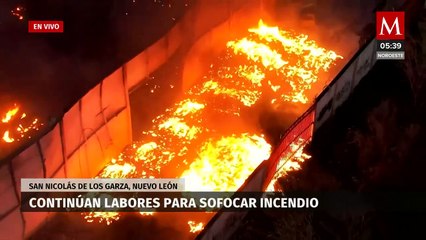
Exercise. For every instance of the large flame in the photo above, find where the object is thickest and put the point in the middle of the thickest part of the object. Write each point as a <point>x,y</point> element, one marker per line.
<point>232,157</point>
<point>204,137</point>
<point>298,60</point>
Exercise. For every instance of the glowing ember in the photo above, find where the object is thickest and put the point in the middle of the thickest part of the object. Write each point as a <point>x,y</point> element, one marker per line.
<point>113,170</point>
<point>258,52</point>
<point>18,12</point>
<point>205,137</point>
<point>290,161</point>
<point>186,107</point>
<point>7,138</point>
<point>179,128</point>
<point>102,217</point>
<point>18,126</point>
<point>118,170</point>
<point>195,227</point>
<point>245,96</point>
<point>171,3</point>
<point>146,213</point>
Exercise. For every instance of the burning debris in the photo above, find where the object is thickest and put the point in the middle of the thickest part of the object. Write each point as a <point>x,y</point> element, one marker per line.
<point>289,162</point>
<point>195,227</point>
<point>102,217</point>
<point>18,12</point>
<point>170,3</point>
<point>299,60</point>
<point>234,157</point>
<point>10,114</point>
<point>206,137</point>
<point>16,125</point>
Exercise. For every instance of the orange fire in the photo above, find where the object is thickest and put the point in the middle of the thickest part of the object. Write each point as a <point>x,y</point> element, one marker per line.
<point>102,217</point>
<point>10,114</point>
<point>7,138</point>
<point>232,157</point>
<point>195,227</point>
<point>118,170</point>
<point>290,161</point>
<point>205,137</point>
<point>18,127</point>
<point>298,61</point>
<point>113,170</point>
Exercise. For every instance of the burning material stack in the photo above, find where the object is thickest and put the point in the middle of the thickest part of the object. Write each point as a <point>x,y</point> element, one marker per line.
<point>269,66</point>
<point>16,127</point>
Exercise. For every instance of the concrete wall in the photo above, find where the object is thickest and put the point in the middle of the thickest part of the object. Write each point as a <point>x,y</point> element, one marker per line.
<point>202,17</point>
<point>339,91</point>
<point>93,131</point>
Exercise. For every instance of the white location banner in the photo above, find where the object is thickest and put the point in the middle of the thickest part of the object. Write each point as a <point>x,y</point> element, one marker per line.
<point>102,184</point>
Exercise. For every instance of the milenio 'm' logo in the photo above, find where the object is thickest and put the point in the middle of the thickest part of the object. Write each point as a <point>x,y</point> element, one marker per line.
<point>390,35</point>
<point>390,25</point>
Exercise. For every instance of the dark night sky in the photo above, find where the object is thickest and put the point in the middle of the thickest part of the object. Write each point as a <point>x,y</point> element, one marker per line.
<point>48,73</point>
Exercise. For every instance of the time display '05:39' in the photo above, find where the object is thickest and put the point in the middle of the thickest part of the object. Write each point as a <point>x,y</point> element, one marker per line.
<point>390,45</point>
